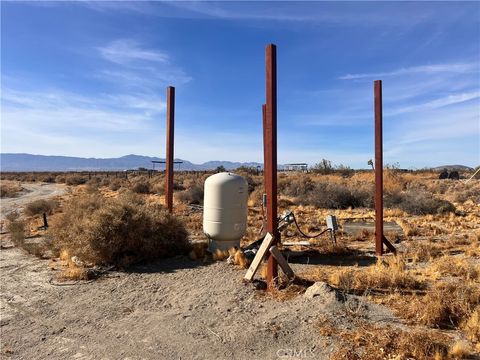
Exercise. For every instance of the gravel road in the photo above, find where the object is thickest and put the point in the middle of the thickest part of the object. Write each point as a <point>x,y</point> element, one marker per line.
<point>30,193</point>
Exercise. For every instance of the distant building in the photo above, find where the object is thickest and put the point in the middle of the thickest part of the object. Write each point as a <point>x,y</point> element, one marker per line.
<point>302,167</point>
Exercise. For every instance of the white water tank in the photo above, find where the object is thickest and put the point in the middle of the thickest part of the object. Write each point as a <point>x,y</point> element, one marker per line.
<point>225,210</point>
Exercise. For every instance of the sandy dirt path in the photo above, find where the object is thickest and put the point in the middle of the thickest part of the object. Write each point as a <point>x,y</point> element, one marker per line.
<point>31,192</point>
<point>172,309</point>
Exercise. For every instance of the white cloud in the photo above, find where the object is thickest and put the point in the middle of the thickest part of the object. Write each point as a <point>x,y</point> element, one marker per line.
<point>133,66</point>
<point>460,68</point>
<point>126,51</point>
<point>435,104</point>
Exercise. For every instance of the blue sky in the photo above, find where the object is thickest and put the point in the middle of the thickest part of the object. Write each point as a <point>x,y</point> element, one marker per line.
<point>89,78</point>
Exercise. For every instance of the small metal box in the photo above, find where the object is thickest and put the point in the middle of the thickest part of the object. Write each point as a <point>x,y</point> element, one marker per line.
<point>332,222</point>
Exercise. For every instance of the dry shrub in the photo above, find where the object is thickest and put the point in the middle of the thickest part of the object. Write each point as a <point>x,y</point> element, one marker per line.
<point>115,184</point>
<point>464,192</point>
<point>75,179</point>
<point>240,259</point>
<point>16,227</point>
<point>74,272</point>
<point>220,255</point>
<point>122,231</point>
<point>60,179</point>
<point>198,252</point>
<point>141,186</point>
<point>393,181</point>
<point>336,196</point>
<point>256,196</point>
<point>471,326</point>
<point>419,203</point>
<point>295,186</point>
<point>41,206</point>
<point>456,266</point>
<point>9,189</point>
<point>158,187</point>
<point>446,305</point>
<point>193,195</point>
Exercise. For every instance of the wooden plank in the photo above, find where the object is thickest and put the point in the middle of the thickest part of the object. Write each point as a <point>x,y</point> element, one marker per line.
<point>389,245</point>
<point>282,262</point>
<point>266,243</point>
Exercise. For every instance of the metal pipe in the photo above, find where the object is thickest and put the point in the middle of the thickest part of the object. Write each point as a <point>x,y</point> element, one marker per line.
<point>169,152</point>
<point>270,148</point>
<point>378,168</point>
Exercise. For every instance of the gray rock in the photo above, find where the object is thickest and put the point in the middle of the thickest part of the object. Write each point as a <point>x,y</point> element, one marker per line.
<point>324,292</point>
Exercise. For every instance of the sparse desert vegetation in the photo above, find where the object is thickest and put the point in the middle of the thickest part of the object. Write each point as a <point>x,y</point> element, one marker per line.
<point>9,188</point>
<point>432,286</point>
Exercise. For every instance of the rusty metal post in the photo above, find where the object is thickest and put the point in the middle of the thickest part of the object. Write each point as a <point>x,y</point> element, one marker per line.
<point>378,168</point>
<point>270,148</point>
<point>169,152</point>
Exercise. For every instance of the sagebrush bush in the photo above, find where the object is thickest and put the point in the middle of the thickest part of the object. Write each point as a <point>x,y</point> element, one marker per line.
<point>41,206</point>
<point>141,186</point>
<point>9,189</point>
<point>16,227</point>
<point>121,231</point>
<point>193,195</point>
<point>336,196</point>
<point>422,203</point>
<point>75,179</point>
<point>296,187</point>
<point>115,184</point>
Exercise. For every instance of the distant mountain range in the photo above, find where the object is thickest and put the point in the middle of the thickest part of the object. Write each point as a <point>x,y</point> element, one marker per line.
<point>29,162</point>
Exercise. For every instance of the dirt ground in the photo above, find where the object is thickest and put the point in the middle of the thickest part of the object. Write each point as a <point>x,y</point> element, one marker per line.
<point>173,309</point>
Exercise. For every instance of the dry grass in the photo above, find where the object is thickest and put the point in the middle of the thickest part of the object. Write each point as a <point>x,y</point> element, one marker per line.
<point>446,305</point>
<point>471,326</point>
<point>424,251</point>
<point>456,266</point>
<point>460,350</point>
<point>387,274</point>
<point>369,341</point>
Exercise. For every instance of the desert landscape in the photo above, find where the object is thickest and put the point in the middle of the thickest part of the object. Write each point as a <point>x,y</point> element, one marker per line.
<point>63,289</point>
<point>245,180</point>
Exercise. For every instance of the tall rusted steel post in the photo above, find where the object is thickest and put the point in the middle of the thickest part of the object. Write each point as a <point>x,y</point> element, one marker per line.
<point>169,152</point>
<point>378,168</point>
<point>270,144</point>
